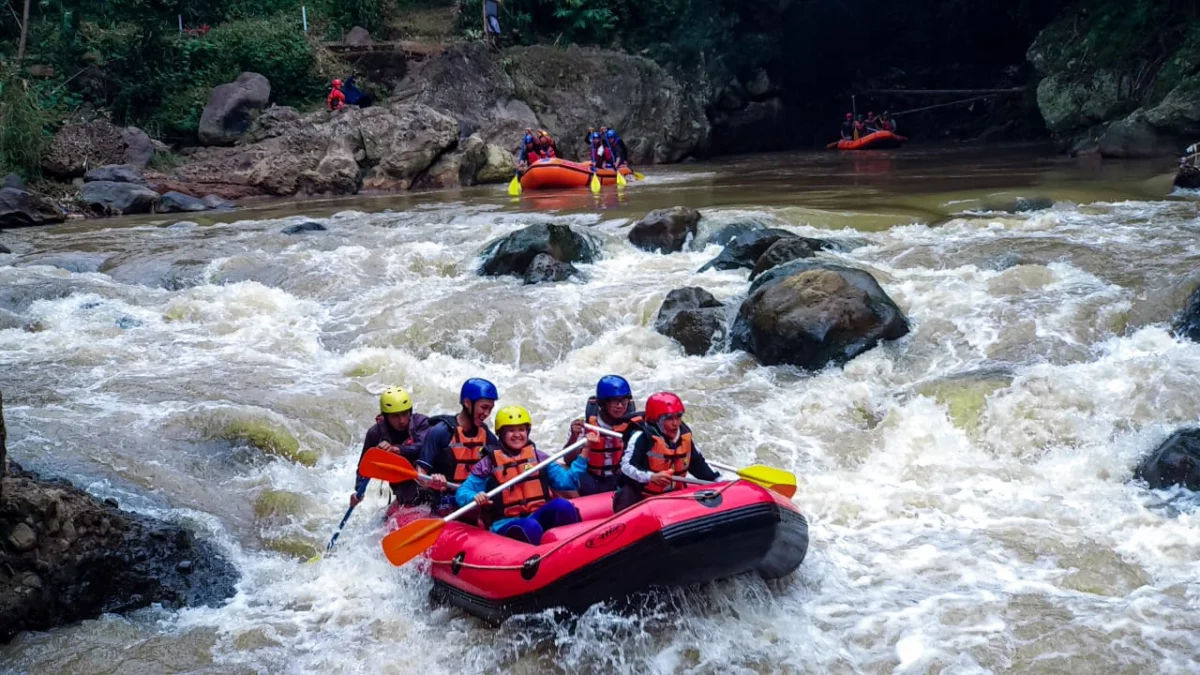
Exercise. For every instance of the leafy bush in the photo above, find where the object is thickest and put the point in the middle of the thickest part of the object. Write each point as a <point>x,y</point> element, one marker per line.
<point>23,135</point>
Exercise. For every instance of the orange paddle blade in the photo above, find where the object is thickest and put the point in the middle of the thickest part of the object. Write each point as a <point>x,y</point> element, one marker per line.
<point>412,540</point>
<point>386,466</point>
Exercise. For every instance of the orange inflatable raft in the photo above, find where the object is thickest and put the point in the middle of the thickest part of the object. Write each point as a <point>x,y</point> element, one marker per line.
<point>878,140</point>
<point>557,174</point>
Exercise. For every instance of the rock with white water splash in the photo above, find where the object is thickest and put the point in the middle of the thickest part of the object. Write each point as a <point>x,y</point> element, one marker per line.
<point>513,254</point>
<point>1187,325</point>
<point>744,250</point>
<point>306,226</point>
<point>66,556</point>
<point>782,251</point>
<point>545,268</point>
<point>693,318</point>
<point>722,235</point>
<point>813,314</point>
<point>665,230</point>
<point>1175,462</point>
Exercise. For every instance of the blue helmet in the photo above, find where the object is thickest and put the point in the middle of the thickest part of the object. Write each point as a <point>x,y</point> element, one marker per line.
<point>528,139</point>
<point>612,386</point>
<point>475,389</point>
<point>612,135</point>
<point>595,135</point>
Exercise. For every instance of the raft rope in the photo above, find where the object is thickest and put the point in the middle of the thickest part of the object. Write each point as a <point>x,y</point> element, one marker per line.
<point>475,566</point>
<point>943,105</point>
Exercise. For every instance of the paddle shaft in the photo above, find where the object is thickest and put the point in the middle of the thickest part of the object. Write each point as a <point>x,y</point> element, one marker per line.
<point>524,476</point>
<point>333,540</point>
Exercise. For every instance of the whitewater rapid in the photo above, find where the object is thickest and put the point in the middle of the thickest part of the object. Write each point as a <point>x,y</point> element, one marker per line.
<point>967,486</point>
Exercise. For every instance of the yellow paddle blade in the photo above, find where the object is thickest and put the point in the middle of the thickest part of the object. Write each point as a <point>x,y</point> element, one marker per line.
<point>639,176</point>
<point>386,466</point>
<point>412,540</point>
<point>595,184</point>
<point>620,179</point>
<point>777,480</point>
<point>514,186</point>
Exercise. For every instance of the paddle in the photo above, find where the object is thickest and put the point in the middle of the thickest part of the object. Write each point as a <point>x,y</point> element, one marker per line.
<point>390,467</point>
<point>620,179</point>
<point>595,182</point>
<point>415,538</point>
<point>777,480</point>
<point>514,186</point>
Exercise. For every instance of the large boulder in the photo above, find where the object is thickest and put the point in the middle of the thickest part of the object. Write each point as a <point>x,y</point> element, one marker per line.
<point>1071,101</point>
<point>1187,324</point>
<point>139,147</point>
<point>784,250</point>
<point>1133,138</point>
<point>693,318</point>
<point>564,91</point>
<point>665,230</point>
<point>1175,462</point>
<point>19,208</point>
<point>231,109</point>
<point>499,166</point>
<point>177,202</point>
<point>723,234</point>
<point>79,146</point>
<point>457,168</point>
<point>116,173</point>
<point>67,557</point>
<point>813,314</point>
<point>323,154</point>
<point>545,268</point>
<point>744,250</point>
<point>513,253</point>
<point>110,198</point>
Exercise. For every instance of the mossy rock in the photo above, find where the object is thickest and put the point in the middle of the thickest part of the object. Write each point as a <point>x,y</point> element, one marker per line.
<point>293,546</point>
<point>965,396</point>
<point>272,503</point>
<point>271,439</point>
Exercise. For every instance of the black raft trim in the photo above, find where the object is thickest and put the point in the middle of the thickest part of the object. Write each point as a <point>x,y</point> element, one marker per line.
<point>760,537</point>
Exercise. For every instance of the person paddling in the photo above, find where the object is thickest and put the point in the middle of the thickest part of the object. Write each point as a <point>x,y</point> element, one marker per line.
<point>400,430</point>
<point>526,510</point>
<point>456,442</point>
<point>660,448</point>
<point>612,408</point>
<point>616,148</point>
<point>848,127</point>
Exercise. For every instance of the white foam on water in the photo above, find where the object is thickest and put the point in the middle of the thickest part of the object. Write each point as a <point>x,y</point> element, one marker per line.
<point>952,530</point>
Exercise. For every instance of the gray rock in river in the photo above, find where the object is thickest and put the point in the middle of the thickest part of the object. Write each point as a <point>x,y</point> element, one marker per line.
<point>725,233</point>
<point>545,268</point>
<point>512,254</point>
<point>1187,325</point>
<point>1175,462</point>
<point>110,198</point>
<point>813,314</point>
<point>307,226</point>
<point>744,250</point>
<point>217,202</point>
<point>67,557</point>
<point>177,202</point>
<point>782,251</point>
<point>665,230</point>
<point>19,208</point>
<point>693,318</point>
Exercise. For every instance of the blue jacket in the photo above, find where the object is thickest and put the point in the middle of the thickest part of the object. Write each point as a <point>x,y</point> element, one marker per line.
<point>560,478</point>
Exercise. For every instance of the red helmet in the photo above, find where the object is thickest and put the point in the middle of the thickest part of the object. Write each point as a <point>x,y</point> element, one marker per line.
<point>663,403</point>
<point>849,116</point>
<point>337,83</point>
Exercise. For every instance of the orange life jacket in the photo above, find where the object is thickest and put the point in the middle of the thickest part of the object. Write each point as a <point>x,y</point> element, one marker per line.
<point>336,99</point>
<point>525,497</point>
<point>467,450</point>
<point>604,456</point>
<point>662,457</point>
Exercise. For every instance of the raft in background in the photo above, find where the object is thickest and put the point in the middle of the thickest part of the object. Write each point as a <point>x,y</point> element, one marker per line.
<point>877,140</point>
<point>687,537</point>
<point>556,174</point>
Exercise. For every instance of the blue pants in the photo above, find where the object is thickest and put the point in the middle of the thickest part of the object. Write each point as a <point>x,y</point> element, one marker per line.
<point>554,513</point>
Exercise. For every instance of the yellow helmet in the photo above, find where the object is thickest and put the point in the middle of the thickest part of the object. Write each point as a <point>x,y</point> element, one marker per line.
<point>512,416</point>
<point>394,400</point>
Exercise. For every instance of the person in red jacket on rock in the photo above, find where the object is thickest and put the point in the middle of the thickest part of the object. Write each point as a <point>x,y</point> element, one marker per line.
<point>336,99</point>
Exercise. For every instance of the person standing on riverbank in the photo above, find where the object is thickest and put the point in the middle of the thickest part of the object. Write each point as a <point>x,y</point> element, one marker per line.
<point>491,22</point>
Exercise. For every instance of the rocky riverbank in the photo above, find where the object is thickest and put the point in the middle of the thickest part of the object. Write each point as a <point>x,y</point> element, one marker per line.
<point>66,556</point>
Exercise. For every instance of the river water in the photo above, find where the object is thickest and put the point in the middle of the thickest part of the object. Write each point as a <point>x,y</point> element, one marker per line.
<point>967,486</point>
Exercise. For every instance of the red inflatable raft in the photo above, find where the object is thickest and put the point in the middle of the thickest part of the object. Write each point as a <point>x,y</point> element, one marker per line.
<point>554,174</point>
<point>692,536</point>
<point>878,140</point>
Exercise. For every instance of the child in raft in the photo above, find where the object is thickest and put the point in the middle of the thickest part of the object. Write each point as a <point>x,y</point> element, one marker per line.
<point>526,510</point>
<point>661,448</point>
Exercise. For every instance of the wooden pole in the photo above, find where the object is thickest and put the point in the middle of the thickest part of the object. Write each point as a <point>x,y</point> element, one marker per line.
<point>24,34</point>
